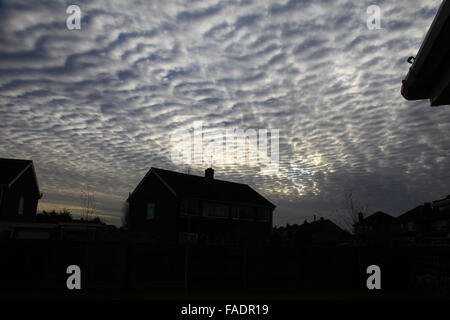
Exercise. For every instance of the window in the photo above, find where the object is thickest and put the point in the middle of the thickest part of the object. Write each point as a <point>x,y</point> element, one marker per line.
<point>243,212</point>
<point>221,211</point>
<point>150,211</point>
<point>263,214</point>
<point>215,210</point>
<point>247,213</point>
<point>208,209</point>
<point>189,207</point>
<point>21,205</point>
<point>188,237</point>
<point>235,210</point>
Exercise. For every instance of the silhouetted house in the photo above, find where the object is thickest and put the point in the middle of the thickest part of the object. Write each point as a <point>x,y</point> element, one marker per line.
<point>416,222</point>
<point>441,226</point>
<point>376,228</point>
<point>429,75</point>
<point>178,207</point>
<point>428,222</point>
<point>442,205</point>
<point>19,190</point>
<point>320,232</point>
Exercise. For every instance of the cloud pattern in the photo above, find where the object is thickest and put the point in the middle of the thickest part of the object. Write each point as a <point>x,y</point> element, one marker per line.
<point>97,106</point>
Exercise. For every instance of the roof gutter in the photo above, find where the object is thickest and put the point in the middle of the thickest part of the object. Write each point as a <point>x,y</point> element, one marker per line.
<point>428,77</point>
<point>30,165</point>
<point>152,170</point>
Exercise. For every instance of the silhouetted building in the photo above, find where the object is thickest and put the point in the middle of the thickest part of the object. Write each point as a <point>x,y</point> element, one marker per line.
<point>19,190</point>
<point>320,232</point>
<point>442,205</point>
<point>427,223</point>
<point>178,207</point>
<point>429,75</point>
<point>377,223</point>
<point>416,222</point>
<point>378,228</point>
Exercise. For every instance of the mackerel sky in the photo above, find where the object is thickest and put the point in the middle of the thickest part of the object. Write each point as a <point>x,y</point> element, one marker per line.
<point>96,107</point>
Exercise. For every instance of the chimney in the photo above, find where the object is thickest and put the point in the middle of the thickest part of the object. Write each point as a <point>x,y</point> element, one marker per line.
<point>209,173</point>
<point>360,217</point>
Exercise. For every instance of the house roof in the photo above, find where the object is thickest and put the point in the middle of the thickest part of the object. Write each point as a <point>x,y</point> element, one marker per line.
<point>442,202</point>
<point>322,228</point>
<point>13,169</point>
<point>319,231</point>
<point>419,213</point>
<point>192,186</point>
<point>429,75</point>
<point>378,219</point>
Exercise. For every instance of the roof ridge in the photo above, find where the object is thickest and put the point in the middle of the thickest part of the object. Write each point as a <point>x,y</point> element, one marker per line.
<point>202,177</point>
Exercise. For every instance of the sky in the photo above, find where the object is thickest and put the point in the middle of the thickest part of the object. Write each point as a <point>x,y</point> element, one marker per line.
<point>96,107</point>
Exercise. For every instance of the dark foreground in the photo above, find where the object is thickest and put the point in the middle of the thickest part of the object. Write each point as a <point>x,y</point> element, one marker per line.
<point>143,271</point>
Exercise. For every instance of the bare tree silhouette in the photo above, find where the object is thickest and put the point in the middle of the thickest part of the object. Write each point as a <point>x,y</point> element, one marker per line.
<point>352,208</point>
